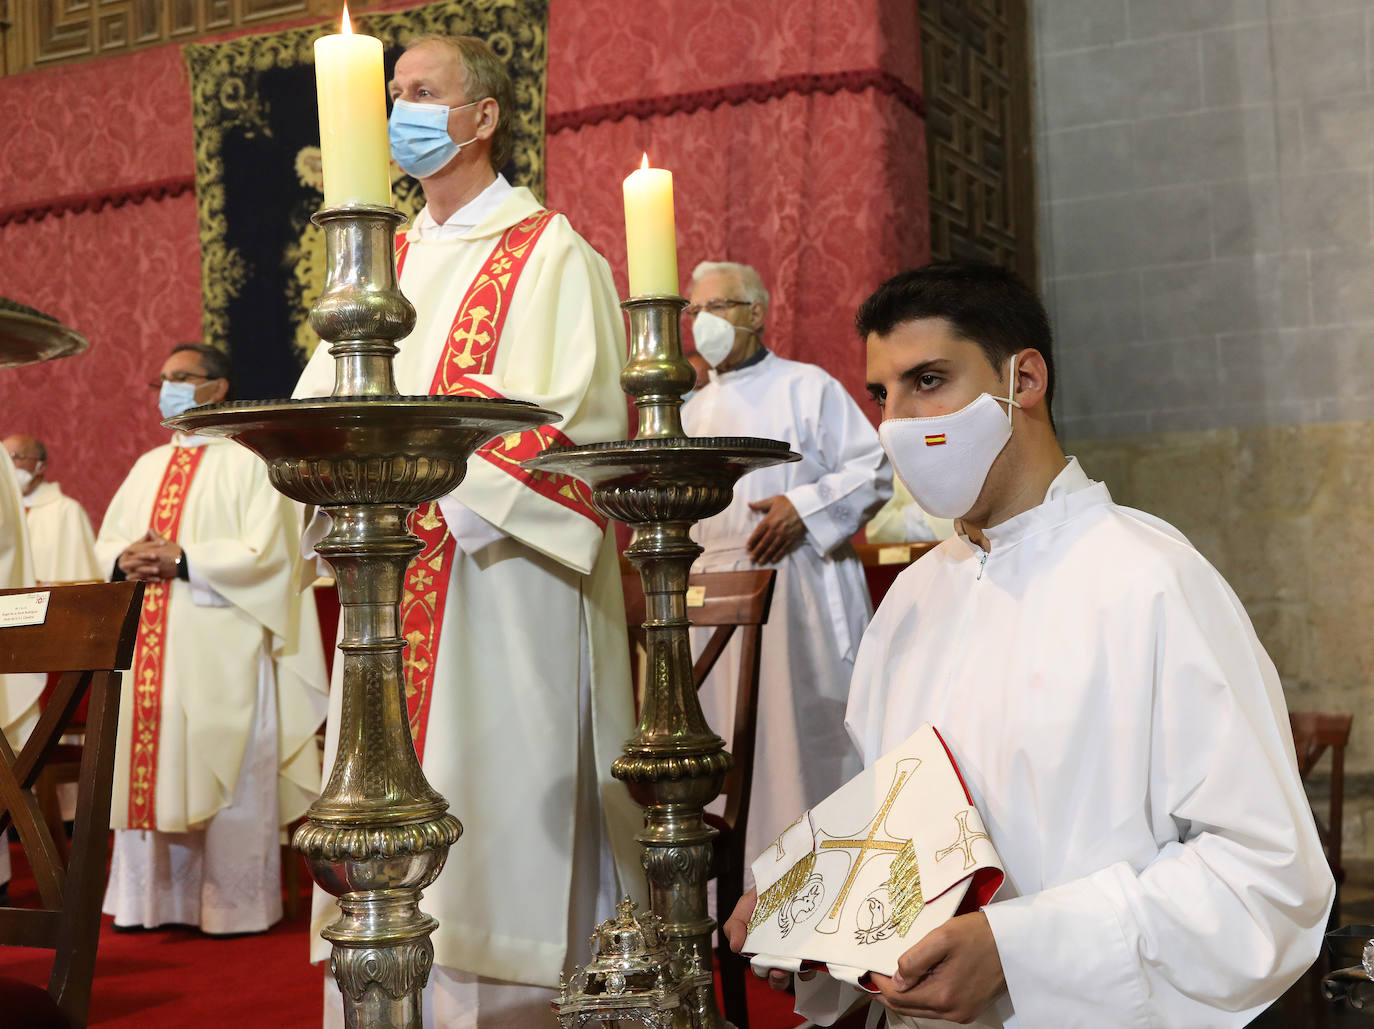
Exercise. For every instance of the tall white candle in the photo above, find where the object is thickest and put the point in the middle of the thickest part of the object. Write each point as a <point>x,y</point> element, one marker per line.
<point>650,231</point>
<point>354,153</point>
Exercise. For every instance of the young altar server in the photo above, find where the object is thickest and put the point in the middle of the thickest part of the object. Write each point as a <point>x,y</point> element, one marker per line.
<point>216,748</point>
<point>1118,723</point>
<point>518,664</point>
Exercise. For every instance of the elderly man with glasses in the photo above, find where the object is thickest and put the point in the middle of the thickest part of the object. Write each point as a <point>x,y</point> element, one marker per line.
<point>797,518</point>
<point>216,748</point>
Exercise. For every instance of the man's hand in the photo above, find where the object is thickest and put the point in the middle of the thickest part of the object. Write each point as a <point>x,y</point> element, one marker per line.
<point>779,533</point>
<point>150,559</point>
<point>737,928</point>
<point>953,974</point>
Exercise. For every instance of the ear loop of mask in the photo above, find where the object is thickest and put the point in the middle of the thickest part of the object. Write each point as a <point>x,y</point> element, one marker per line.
<point>1011,390</point>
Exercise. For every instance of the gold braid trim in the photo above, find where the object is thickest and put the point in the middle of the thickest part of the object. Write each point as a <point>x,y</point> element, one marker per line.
<point>782,891</point>
<point>904,887</point>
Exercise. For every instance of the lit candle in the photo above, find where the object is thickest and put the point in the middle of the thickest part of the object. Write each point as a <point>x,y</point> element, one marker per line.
<point>650,232</point>
<point>354,153</point>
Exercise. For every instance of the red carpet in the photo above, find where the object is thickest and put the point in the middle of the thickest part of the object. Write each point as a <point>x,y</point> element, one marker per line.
<point>178,978</point>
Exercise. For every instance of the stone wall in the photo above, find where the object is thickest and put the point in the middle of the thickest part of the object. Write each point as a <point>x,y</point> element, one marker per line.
<point>1207,242</point>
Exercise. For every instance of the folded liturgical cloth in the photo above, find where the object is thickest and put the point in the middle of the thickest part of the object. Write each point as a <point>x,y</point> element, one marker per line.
<point>889,856</point>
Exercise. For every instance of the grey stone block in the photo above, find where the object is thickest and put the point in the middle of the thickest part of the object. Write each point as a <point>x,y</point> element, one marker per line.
<point>1237,66</point>
<point>1089,161</point>
<point>1224,296</point>
<point>1326,210</point>
<point>1074,24</point>
<point>1338,132</point>
<point>1343,286</point>
<point>1169,17</point>
<point>1315,57</point>
<point>1161,226</point>
<point>1096,310</point>
<point>1273,370</point>
<point>1283,9</point>
<point>1076,429</point>
<point>1205,146</point>
<point>1115,83</point>
<point>1246,218</point>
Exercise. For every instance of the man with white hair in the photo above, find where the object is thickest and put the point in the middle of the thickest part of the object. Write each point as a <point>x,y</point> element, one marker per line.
<point>797,518</point>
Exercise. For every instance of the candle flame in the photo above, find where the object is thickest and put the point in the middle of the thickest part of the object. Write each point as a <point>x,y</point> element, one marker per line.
<point>644,163</point>
<point>347,29</point>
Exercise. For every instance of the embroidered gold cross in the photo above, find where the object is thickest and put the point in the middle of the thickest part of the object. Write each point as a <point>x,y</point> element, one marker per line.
<point>964,841</point>
<point>476,332</point>
<point>869,843</point>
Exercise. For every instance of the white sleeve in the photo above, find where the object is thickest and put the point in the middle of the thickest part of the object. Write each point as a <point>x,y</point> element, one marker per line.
<point>1231,909</point>
<point>858,481</point>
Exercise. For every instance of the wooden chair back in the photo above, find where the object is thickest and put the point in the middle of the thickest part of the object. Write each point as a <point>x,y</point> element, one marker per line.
<point>1314,732</point>
<point>88,635</point>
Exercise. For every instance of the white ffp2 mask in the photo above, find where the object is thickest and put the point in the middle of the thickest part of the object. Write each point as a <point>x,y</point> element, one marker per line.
<point>944,460</point>
<point>714,337</point>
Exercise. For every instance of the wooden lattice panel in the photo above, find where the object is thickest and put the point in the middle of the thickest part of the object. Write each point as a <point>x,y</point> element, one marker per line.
<point>41,33</point>
<point>977,92</point>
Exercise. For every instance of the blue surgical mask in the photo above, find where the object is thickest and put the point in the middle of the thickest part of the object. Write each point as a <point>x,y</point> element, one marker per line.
<point>420,142</point>
<point>176,397</point>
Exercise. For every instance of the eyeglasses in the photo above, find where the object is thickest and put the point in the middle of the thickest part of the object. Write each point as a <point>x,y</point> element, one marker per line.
<point>718,306</point>
<point>156,384</point>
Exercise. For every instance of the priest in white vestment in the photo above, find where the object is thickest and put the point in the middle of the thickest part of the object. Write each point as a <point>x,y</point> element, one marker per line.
<point>797,518</point>
<point>19,694</point>
<point>59,528</point>
<point>1118,724</point>
<point>217,746</point>
<point>524,700</point>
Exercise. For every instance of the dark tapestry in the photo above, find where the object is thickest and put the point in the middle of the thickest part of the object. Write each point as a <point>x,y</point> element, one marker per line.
<point>258,171</point>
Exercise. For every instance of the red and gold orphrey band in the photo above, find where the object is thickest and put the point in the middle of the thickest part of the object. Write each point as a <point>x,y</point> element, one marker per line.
<point>151,652</point>
<point>470,349</point>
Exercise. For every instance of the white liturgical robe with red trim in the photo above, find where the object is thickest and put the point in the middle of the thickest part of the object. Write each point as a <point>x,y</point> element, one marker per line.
<point>533,616</point>
<point>1125,737</point>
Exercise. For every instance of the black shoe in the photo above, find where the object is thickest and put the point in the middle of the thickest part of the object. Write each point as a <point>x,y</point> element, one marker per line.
<point>4,894</point>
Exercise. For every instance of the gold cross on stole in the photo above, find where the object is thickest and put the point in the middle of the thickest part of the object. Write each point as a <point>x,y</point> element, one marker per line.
<point>870,842</point>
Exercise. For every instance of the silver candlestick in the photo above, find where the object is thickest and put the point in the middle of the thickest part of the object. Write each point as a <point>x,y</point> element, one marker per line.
<point>367,456</point>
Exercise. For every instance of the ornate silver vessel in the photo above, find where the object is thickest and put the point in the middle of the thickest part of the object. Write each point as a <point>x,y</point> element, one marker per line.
<point>660,483</point>
<point>367,456</point>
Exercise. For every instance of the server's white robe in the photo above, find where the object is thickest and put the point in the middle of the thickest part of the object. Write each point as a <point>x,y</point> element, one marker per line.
<point>61,536</point>
<point>1125,737</point>
<point>534,614</point>
<point>18,693</point>
<point>821,602</point>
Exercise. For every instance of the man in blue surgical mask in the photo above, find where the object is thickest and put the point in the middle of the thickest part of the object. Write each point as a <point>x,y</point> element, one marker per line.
<point>510,302</point>
<point>797,518</point>
<point>1115,719</point>
<point>216,749</point>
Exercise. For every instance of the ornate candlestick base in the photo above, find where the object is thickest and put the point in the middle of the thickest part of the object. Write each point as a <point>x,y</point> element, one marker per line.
<point>379,834</point>
<point>660,484</point>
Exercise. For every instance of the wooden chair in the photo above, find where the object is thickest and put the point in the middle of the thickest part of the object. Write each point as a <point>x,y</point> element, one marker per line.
<point>729,601</point>
<point>88,634</point>
<point>1313,733</point>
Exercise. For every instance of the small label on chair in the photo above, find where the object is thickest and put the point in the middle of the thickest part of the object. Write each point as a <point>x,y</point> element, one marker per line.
<point>894,555</point>
<point>24,609</point>
<point>696,596</point>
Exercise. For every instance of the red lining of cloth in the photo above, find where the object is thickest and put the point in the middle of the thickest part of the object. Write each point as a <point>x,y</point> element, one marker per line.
<point>740,93</point>
<point>95,201</point>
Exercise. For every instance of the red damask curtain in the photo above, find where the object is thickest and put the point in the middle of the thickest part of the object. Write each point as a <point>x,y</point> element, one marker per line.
<point>794,129</point>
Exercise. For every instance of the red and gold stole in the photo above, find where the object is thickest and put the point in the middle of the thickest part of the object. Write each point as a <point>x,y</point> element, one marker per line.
<point>471,347</point>
<point>150,652</point>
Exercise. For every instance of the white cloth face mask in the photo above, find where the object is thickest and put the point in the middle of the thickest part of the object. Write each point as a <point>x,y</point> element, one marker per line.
<point>945,459</point>
<point>25,479</point>
<point>714,337</point>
